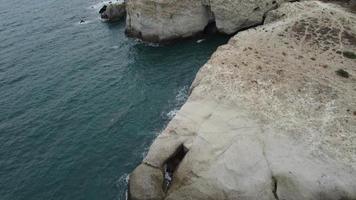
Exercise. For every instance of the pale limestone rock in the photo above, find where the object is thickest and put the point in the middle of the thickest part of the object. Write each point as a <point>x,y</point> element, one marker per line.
<point>161,20</point>
<point>146,182</point>
<point>270,116</point>
<point>232,16</point>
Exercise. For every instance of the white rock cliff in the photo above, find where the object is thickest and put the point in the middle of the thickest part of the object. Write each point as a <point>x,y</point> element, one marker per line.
<point>272,115</point>
<point>162,20</point>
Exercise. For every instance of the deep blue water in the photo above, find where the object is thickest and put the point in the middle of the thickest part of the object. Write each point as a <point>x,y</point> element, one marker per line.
<point>81,103</point>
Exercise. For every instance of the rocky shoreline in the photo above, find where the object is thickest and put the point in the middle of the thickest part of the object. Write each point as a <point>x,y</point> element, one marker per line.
<point>160,21</point>
<point>113,11</point>
<point>272,115</point>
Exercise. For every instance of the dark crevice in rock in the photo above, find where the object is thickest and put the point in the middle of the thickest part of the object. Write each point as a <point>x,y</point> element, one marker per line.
<point>343,73</point>
<point>348,4</point>
<point>150,165</point>
<point>349,54</point>
<point>276,6</point>
<point>102,12</point>
<point>210,29</point>
<point>103,9</point>
<point>275,187</point>
<point>172,164</point>
<point>248,27</point>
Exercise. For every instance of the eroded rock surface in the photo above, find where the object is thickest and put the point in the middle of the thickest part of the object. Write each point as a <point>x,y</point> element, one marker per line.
<point>162,20</point>
<point>232,16</point>
<point>113,11</point>
<point>270,116</point>
<point>146,183</point>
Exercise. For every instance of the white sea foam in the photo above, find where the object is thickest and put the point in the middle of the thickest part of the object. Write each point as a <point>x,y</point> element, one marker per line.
<point>145,152</point>
<point>172,113</point>
<point>100,4</point>
<point>180,99</point>
<point>84,22</point>
<point>150,44</point>
<point>122,181</point>
<point>182,95</point>
<point>124,178</point>
<point>126,195</point>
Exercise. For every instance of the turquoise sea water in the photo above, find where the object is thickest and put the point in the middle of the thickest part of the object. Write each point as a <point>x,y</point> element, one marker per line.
<point>81,103</point>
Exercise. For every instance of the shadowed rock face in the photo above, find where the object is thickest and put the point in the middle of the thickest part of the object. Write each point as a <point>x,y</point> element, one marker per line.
<point>157,20</point>
<point>113,11</point>
<point>349,4</point>
<point>272,115</point>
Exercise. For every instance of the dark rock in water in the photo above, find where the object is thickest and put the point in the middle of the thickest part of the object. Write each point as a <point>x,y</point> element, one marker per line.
<point>104,16</point>
<point>113,11</point>
<point>82,21</point>
<point>103,9</point>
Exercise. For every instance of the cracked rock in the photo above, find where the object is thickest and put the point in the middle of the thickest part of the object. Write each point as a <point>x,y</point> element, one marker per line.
<point>264,120</point>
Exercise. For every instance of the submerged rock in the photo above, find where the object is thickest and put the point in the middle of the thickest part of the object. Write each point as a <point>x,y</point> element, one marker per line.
<point>268,117</point>
<point>157,20</point>
<point>113,11</point>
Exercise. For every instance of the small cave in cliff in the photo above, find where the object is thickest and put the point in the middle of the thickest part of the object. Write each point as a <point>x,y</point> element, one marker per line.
<point>210,28</point>
<point>172,164</point>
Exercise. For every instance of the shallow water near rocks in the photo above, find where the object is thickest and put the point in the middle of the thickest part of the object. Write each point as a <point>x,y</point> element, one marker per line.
<point>81,103</point>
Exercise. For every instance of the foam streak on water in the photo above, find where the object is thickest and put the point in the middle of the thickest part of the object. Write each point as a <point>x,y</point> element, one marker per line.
<point>81,103</point>
<point>179,101</point>
<point>100,4</point>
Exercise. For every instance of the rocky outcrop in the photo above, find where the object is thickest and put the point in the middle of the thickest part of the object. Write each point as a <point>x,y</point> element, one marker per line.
<point>157,20</point>
<point>113,11</point>
<point>146,183</point>
<point>232,16</point>
<point>272,115</point>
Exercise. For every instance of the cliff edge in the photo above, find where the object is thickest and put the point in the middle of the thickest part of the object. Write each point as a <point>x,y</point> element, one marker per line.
<point>163,20</point>
<point>272,115</point>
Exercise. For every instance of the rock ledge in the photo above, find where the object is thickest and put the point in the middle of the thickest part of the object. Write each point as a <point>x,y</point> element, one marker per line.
<point>272,115</point>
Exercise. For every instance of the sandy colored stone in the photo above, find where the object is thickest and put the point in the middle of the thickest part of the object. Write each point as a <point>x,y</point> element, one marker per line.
<point>270,116</point>
<point>146,183</point>
<point>162,20</point>
<point>232,16</point>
